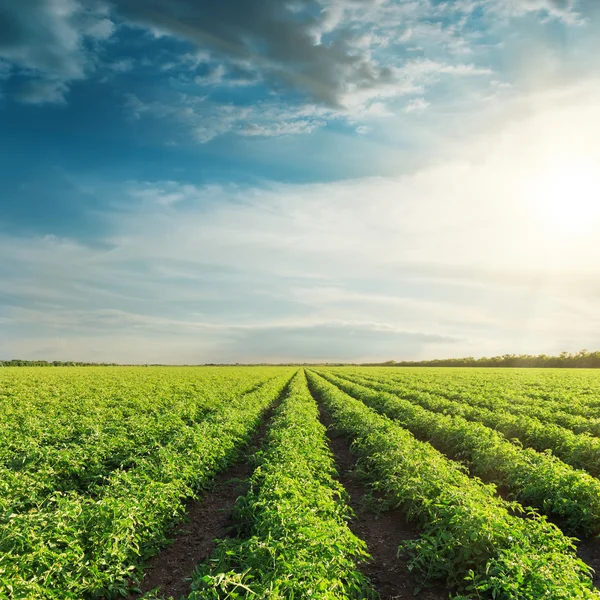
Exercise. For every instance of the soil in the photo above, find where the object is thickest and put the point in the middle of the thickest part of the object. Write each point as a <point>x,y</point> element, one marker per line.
<point>207,519</point>
<point>382,532</point>
<point>589,552</point>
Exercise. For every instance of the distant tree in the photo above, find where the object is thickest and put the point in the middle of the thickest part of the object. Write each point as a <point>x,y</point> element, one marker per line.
<point>582,359</point>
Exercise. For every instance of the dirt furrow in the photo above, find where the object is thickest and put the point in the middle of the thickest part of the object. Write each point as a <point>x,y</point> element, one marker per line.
<point>589,552</point>
<point>382,532</point>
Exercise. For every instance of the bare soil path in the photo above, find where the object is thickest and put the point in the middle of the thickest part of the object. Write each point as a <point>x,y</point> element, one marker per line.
<point>382,532</point>
<point>589,552</point>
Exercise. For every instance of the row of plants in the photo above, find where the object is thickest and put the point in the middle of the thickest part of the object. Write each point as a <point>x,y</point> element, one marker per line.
<point>470,536</point>
<point>568,391</point>
<point>578,450</point>
<point>42,407</point>
<point>71,436</point>
<point>551,411</point>
<point>530,477</point>
<point>78,546</point>
<point>294,540</point>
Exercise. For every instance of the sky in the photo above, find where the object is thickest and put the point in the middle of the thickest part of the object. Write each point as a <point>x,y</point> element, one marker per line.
<point>302,180</point>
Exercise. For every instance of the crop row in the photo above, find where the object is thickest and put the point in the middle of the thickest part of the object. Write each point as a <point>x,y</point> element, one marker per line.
<point>568,391</point>
<point>578,450</point>
<point>470,538</point>
<point>546,411</point>
<point>79,546</point>
<point>43,408</point>
<point>295,542</point>
<point>531,477</point>
<point>82,455</point>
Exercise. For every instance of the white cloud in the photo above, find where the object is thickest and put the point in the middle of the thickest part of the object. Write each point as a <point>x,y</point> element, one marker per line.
<point>205,120</point>
<point>165,193</point>
<point>437,34</point>
<point>416,105</point>
<point>123,65</point>
<point>564,10</point>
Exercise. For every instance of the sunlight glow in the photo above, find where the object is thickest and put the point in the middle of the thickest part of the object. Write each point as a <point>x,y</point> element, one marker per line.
<point>568,198</point>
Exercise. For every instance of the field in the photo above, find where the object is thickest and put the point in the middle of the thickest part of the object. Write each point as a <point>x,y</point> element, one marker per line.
<point>291,483</point>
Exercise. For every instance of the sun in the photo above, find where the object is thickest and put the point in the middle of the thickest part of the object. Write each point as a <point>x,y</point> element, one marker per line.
<point>568,198</point>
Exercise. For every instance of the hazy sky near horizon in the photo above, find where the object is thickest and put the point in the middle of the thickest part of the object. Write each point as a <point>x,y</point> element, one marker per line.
<point>269,180</point>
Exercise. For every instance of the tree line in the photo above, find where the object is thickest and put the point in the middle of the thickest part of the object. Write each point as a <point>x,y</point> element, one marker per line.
<point>17,362</point>
<point>583,359</point>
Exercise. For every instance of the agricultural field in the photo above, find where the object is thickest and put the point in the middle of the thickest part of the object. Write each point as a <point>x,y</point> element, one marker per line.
<point>324,483</point>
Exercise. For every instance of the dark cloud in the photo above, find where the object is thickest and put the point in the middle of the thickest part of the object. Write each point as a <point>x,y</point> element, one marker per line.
<point>47,35</point>
<point>279,38</point>
<point>325,49</point>
<point>46,38</point>
<point>37,34</point>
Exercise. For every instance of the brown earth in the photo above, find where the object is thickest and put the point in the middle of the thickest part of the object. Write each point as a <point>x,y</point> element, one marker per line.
<point>382,532</point>
<point>589,552</point>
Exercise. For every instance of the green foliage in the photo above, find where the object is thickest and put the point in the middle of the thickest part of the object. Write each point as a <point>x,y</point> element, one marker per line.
<point>90,540</point>
<point>470,538</point>
<point>532,478</point>
<point>96,466</point>
<point>503,393</point>
<point>297,543</point>
<point>581,451</point>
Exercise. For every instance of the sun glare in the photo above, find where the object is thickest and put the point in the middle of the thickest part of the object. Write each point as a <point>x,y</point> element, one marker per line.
<point>568,198</point>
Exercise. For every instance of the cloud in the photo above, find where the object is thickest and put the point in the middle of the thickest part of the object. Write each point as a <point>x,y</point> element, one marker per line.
<point>203,120</point>
<point>46,39</point>
<point>459,257</point>
<point>330,341</point>
<point>41,35</point>
<point>340,54</point>
<point>279,38</point>
<point>39,91</point>
<point>309,340</point>
<point>435,34</point>
<point>5,69</point>
<point>564,10</point>
<point>416,105</point>
<point>235,75</point>
<point>123,65</point>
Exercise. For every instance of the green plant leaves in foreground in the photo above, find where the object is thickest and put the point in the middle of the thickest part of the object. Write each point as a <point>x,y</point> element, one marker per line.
<point>297,543</point>
<point>470,538</point>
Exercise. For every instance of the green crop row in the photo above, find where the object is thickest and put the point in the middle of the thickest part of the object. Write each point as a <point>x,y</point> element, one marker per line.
<point>67,407</point>
<point>531,477</point>
<point>469,537</point>
<point>546,411</point>
<point>115,436</point>
<point>578,450</point>
<point>576,392</point>
<point>296,542</point>
<point>76,546</point>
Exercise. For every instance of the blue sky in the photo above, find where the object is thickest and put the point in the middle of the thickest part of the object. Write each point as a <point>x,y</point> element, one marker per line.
<point>226,180</point>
